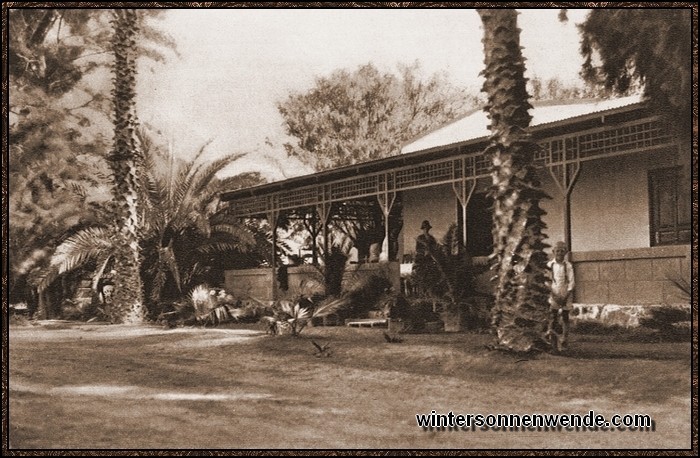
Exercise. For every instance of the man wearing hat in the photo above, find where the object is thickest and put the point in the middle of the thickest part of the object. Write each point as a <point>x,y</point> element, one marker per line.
<point>426,247</point>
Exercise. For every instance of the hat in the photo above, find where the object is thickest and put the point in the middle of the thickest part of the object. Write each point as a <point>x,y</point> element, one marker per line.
<point>561,245</point>
<point>426,225</point>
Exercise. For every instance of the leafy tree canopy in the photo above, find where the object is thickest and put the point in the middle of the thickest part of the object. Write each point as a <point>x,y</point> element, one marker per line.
<point>651,47</point>
<point>556,89</point>
<point>352,117</point>
<point>59,129</point>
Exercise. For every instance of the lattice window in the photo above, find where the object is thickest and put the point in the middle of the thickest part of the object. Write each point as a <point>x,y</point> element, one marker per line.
<point>424,174</point>
<point>248,206</point>
<point>299,197</point>
<point>483,165</point>
<point>354,188</point>
<point>638,136</point>
<point>470,170</point>
<point>457,169</point>
<point>571,148</point>
<point>556,150</point>
<point>541,156</point>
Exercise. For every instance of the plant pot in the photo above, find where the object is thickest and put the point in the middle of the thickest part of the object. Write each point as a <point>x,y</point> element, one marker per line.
<point>433,327</point>
<point>283,328</point>
<point>452,321</point>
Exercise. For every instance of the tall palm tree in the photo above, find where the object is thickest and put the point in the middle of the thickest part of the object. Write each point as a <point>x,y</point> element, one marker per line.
<point>521,306</point>
<point>125,162</point>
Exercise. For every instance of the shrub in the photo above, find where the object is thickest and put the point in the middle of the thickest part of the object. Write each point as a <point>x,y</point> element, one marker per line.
<point>414,314</point>
<point>668,323</point>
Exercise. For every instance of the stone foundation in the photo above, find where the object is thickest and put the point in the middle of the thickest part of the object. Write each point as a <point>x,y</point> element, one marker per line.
<point>627,316</point>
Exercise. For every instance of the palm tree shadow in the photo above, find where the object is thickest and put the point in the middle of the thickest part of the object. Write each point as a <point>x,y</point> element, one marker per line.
<point>658,351</point>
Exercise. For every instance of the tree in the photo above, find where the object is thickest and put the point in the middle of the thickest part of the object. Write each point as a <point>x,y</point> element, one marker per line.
<point>59,125</point>
<point>51,155</point>
<point>555,89</point>
<point>655,53</point>
<point>519,313</point>
<point>125,161</point>
<point>184,231</point>
<point>352,117</point>
<point>182,235</point>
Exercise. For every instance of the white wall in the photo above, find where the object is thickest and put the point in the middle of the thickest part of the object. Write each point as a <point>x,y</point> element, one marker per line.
<point>554,208</point>
<point>610,202</point>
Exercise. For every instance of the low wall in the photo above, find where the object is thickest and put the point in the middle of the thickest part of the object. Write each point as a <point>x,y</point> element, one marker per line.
<point>638,276</point>
<point>246,283</point>
<point>304,279</point>
<point>635,276</point>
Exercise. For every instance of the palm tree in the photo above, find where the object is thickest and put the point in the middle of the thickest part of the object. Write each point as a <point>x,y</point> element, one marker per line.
<point>181,226</point>
<point>184,223</point>
<point>52,154</point>
<point>520,310</point>
<point>125,162</point>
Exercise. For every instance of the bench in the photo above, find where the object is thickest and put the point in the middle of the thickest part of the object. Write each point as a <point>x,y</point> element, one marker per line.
<point>367,322</point>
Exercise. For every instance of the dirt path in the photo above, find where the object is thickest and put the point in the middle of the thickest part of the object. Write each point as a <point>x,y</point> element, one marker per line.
<point>94,386</point>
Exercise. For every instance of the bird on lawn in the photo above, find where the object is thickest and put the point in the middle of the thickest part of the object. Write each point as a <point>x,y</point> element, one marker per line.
<point>323,350</point>
<point>392,339</point>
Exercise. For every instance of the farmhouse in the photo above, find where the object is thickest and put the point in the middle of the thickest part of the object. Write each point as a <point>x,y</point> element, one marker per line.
<point>619,181</point>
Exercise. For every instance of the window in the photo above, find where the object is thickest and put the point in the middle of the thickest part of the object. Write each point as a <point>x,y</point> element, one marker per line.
<point>669,207</point>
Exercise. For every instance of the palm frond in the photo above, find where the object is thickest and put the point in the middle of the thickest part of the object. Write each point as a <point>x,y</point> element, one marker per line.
<point>200,151</point>
<point>200,222</point>
<point>331,307</point>
<point>218,315</point>
<point>201,300</point>
<point>295,313</point>
<point>78,189</point>
<point>89,244</point>
<point>100,272</point>
<point>244,236</point>
<point>217,247</point>
<point>310,287</point>
<point>205,176</point>
<point>196,269</point>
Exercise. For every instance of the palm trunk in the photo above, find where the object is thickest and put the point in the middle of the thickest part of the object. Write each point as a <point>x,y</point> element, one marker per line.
<point>124,160</point>
<point>519,314</point>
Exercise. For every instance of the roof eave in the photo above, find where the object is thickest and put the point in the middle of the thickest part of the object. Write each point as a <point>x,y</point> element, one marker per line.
<point>403,159</point>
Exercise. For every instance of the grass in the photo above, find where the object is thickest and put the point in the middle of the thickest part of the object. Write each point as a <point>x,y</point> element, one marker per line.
<point>124,387</point>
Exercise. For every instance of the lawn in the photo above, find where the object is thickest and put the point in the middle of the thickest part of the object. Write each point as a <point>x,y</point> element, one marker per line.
<point>98,386</point>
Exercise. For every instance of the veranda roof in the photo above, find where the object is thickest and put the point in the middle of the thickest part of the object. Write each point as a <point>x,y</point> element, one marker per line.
<point>475,125</point>
<point>568,132</point>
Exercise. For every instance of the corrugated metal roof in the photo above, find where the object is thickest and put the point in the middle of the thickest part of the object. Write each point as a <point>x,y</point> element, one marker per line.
<point>475,125</point>
<point>469,129</point>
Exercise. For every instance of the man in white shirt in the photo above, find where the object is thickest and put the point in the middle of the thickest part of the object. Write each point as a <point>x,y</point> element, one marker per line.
<point>562,294</point>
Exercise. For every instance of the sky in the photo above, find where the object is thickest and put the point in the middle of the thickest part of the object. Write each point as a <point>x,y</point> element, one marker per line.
<point>235,65</point>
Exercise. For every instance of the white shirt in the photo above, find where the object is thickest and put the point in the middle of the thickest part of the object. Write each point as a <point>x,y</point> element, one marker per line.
<point>562,278</point>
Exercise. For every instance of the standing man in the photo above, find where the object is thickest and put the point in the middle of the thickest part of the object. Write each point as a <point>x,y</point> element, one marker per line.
<point>424,263</point>
<point>561,297</point>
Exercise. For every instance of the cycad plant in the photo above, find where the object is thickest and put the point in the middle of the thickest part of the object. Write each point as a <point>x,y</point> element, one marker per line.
<point>519,313</point>
<point>291,317</point>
